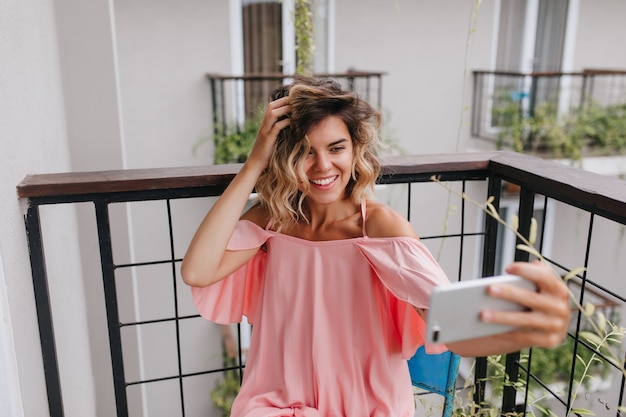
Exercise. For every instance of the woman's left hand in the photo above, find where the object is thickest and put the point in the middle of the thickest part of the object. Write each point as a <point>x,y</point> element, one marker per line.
<point>546,321</point>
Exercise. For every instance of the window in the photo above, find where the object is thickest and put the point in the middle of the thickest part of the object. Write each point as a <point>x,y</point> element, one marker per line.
<point>262,49</point>
<point>263,42</point>
<point>531,36</point>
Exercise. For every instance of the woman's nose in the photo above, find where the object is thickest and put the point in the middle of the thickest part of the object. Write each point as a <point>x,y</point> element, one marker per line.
<point>322,162</point>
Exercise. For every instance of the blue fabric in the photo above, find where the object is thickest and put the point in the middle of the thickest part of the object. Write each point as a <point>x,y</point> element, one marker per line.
<point>435,373</point>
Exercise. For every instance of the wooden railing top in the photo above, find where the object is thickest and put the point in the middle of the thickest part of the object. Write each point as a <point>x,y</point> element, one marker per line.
<point>593,192</point>
<point>598,193</point>
<point>76,183</point>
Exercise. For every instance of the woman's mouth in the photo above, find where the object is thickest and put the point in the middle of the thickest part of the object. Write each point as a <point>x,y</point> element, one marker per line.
<point>323,182</point>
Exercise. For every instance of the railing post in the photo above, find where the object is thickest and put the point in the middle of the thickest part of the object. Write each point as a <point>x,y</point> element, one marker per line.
<point>490,241</point>
<point>583,92</point>
<point>110,298</point>
<point>526,208</point>
<point>44,311</point>
<point>534,81</point>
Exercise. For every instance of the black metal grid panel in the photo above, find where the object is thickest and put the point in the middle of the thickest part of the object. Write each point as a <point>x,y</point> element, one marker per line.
<point>102,202</point>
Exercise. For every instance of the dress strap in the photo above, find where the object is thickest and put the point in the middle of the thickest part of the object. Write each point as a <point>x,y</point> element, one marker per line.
<point>269,224</point>
<point>363,216</point>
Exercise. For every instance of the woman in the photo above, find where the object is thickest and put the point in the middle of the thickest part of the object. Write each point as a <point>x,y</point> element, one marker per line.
<point>335,284</point>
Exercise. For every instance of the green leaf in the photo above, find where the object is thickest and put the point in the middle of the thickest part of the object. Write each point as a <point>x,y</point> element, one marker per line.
<point>532,235</point>
<point>591,338</point>
<point>582,411</point>
<point>515,222</point>
<point>530,250</point>
<point>571,274</point>
<point>601,321</point>
<point>492,211</point>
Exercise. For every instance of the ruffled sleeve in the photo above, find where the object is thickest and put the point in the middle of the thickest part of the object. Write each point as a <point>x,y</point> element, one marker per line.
<point>409,272</point>
<point>228,300</point>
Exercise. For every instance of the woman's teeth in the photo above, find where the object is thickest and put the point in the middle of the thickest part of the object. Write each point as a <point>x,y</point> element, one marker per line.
<point>324,181</point>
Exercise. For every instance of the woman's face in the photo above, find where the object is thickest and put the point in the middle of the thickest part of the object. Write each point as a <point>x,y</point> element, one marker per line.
<point>328,166</point>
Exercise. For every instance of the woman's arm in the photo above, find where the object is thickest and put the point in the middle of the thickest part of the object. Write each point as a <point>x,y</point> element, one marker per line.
<point>544,324</point>
<point>207,260</point>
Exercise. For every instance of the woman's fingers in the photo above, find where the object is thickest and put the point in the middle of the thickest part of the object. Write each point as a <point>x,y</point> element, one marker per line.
<point>273,114</point>
<point>273,122</point>
<point>547,317</point>
<point>545,279</point>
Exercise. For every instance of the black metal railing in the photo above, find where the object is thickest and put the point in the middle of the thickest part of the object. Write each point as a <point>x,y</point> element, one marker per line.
<point>596,198</point>
<point>500,97</point>
<point>237,98</point>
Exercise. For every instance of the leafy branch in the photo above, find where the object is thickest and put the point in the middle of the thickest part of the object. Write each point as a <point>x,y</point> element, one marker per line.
<point>304,33</point>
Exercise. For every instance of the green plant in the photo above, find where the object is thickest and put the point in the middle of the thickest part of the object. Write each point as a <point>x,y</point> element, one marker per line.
<point>233,145</point>
<point>591,129</point>
<point>555,365</point>
<point>305,42</point>
<point>226,388</point>
<point>542,132</point>
<point>600,127</point>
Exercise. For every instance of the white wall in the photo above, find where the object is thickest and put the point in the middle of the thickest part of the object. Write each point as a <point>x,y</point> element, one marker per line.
<point>33,137</point>
<point>164,51</point>
<point>422,47</point>
<point>10,395</point>
<point>600,36</point>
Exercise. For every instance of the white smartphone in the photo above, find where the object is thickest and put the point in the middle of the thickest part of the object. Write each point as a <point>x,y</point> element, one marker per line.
<point>454,311</point>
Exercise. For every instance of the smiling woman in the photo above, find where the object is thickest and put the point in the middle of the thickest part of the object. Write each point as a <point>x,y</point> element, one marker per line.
<point>336,284</point>
<point>328,165</point>
<point>323,119</point>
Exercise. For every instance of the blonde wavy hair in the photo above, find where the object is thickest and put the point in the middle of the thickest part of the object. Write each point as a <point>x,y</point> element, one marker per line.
<point>312,100</point>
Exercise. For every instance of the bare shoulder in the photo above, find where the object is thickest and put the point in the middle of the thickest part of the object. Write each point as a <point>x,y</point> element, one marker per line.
<point>383,221</point>
<point>258,215</point>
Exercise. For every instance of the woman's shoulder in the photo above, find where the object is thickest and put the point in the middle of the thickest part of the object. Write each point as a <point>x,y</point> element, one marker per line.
<point>257,214</point>
<point>383,221</point>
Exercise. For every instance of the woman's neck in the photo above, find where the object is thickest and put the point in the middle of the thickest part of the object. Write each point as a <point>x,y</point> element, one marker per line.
<point>339,220</point>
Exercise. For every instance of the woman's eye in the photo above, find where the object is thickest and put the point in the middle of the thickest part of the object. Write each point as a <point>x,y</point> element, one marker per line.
<point>337,148</point>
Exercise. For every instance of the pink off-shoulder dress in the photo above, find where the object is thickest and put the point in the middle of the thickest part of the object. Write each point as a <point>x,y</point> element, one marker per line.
<point>333,322</point>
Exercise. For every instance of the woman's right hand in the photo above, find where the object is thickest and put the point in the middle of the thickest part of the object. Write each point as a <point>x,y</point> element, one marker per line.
<point>207,260</point>
<point>271,125</point>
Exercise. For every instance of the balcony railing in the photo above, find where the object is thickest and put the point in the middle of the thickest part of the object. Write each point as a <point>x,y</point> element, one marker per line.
<point>236,98</point>
<point>500,98</point>
<point>597,203</point>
